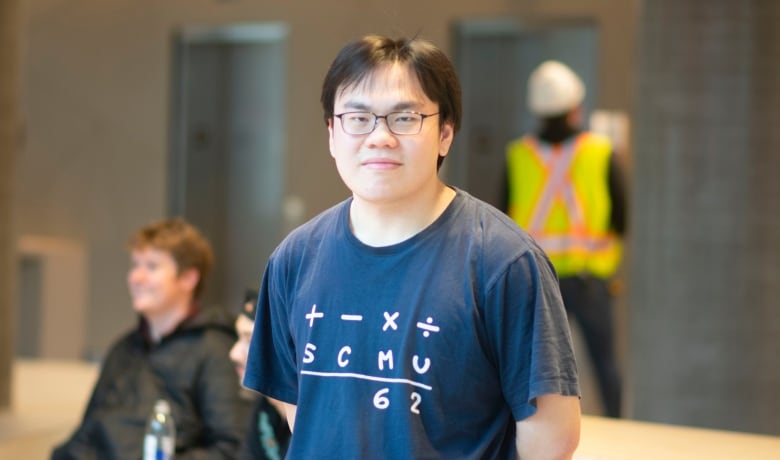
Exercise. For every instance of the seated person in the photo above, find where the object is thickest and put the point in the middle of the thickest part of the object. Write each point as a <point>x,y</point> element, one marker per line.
<point>176,352</point>
<point>268,434</point>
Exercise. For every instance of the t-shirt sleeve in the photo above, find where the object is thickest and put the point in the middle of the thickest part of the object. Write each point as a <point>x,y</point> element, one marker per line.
<point>529,334</point>
<point>271,364</point>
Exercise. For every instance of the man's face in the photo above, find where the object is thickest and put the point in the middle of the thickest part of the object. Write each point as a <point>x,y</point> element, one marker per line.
<point>383,167</point>
<point>240,350</point>
<point>154,284</point>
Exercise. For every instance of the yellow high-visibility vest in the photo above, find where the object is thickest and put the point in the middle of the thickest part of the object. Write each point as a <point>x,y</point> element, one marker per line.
<point>559,193</point>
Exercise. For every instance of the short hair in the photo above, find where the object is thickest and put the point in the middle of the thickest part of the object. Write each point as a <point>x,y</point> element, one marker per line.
<point>435,73</point>
<point>186,245</point>
<point>249,308</point>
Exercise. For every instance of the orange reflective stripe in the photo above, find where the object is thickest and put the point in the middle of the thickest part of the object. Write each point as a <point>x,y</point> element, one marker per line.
<point>560,195</point>
<point>556,161</point>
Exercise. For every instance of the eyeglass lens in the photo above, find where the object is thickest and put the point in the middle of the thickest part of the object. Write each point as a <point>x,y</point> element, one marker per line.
<point>397,122</point>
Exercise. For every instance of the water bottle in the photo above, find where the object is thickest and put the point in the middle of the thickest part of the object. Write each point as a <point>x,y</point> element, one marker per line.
<point>160,437</point>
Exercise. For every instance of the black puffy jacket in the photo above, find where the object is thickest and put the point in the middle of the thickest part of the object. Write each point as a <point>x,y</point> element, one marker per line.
<point>191,369</point>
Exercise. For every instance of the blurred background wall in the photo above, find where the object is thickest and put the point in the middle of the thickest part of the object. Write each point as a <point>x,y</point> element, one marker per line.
<point>10,32</point>
<point>116,98</point>
<point>705,277</point>
<point>101,81</point>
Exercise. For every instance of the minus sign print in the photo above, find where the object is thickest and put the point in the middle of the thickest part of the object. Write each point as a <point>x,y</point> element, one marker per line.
<point>352,317</point>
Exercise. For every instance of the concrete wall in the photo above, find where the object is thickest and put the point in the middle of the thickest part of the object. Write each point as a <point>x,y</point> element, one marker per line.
<point>10,137</point>
<point>705,329</point>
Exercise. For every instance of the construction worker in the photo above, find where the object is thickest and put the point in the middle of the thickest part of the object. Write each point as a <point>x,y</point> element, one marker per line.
<point>565,188</point>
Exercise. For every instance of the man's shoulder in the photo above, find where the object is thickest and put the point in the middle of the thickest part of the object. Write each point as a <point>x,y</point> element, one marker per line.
<point>319,226</point>
<point>487,216</point>
<point>595,140</point>
<point>128,339</point>
<point>327,216</point>
<point>494,231</point>
<point>215,340</point>
<point>214,324</point>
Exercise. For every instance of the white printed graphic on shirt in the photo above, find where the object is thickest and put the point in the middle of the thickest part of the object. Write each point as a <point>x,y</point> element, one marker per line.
<point>385,358</point>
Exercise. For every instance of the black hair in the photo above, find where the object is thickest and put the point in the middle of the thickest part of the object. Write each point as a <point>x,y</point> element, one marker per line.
<point>249,307</point>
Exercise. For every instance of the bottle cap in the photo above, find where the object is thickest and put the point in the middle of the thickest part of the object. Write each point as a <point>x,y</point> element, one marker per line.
<point>162,406</point>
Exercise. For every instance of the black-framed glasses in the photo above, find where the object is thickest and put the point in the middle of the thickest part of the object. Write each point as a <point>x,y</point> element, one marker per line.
<point>404,123</point>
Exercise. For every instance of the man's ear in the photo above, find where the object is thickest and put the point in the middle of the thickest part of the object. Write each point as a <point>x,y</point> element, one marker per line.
<point>330,136</point>
<point>447,134</point>
<point>189,278</point>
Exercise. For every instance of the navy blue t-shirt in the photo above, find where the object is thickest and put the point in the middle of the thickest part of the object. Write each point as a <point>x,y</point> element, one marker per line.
<point>429,348</point>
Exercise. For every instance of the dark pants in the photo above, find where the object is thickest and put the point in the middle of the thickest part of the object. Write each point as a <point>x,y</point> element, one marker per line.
<point>588,301</point>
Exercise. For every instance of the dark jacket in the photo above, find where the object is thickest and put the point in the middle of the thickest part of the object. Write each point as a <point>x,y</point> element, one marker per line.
<point>268,435</point>
<point>190,368</point>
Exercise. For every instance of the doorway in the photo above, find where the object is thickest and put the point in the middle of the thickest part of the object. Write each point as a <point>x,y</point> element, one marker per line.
<point>227,163</point>
<point>494,59</point>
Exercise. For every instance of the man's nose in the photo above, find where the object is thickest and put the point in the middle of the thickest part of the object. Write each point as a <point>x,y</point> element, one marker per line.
<point>381,134</point>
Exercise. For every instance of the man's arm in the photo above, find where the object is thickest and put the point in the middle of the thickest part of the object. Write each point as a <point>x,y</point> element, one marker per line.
<point>553,432</point>
<point>278,405</point>
<point>290,410</point>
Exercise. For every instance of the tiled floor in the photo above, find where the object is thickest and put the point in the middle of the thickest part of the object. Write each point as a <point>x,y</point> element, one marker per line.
<point>50,396</point>
<point>48,400</point>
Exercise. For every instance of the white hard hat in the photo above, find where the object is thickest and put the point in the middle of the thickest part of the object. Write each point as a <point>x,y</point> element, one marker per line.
<point>553,89</point>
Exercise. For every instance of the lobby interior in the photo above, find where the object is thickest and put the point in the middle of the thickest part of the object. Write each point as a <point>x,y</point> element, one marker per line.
<point>94,141</point>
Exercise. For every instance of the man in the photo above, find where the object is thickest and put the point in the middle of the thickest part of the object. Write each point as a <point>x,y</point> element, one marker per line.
<point>268,432</point>
<point>566,190</point>
<point>176,353</point>
<point>411,320</point>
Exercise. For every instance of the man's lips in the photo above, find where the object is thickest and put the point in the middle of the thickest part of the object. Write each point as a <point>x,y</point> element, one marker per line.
<point>380,162</point>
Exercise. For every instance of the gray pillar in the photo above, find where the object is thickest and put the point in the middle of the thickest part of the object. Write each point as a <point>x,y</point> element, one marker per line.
<point>10,27</point>
<point>705,273</point>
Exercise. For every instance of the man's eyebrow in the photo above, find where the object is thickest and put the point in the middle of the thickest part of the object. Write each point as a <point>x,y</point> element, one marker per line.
<point>401,106</point>
<point>356,106</point>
